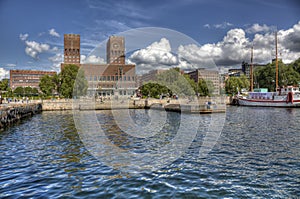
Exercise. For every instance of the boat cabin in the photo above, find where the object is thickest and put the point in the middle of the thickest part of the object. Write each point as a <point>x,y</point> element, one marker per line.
<point>262,95</point>
<point>287,89</point>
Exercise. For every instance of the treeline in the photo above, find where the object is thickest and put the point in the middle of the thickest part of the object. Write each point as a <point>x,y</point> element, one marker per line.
<point>61,85</point>
<point>172,82</point>
<point>70,82</point>
<point>265,77</point>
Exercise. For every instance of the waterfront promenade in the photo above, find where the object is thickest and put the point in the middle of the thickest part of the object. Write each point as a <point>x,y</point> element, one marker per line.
<point>204,104</point>
<point>207,105</point>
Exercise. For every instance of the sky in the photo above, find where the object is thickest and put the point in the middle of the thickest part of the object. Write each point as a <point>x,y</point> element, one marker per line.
<point>197,32</point>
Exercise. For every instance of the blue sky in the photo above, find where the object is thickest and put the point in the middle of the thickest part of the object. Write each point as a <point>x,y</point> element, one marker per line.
<point>32,30</point>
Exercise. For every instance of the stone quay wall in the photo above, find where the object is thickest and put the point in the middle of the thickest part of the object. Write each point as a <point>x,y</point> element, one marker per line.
<point>12,113</point>
<point>134,103</point>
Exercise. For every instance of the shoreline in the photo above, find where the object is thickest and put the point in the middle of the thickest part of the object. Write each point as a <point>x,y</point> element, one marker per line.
<point>11,113</point>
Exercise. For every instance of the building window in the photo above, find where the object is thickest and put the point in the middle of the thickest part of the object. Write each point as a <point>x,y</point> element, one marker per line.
<point>128,78</point>
<point>112,78</point>
<point>108,78</point>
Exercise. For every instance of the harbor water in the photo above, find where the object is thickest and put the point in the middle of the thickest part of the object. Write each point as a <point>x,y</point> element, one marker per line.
<point>255,155</point>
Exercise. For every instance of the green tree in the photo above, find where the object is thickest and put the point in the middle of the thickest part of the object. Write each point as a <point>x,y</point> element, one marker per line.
<point>68,88</point>
<point>81,84</point>
<point>296,65</point>
<point>35,91</point>
<point>235,84</point>
<point>47,85</point>
<point>205,87</point>
<point>153,89</point>
<point>19,91</point>
<point>28,91</point>
<point>176,82</point>
<point>4,85</point>
<point>265,76</point>
<point>57,82</point>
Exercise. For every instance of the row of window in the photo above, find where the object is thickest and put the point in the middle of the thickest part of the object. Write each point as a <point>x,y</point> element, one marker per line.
<point>28,75</point>
<point>116,52</point>
<point>110,78</point>
<point>70,57</point>
<point>30,80</point>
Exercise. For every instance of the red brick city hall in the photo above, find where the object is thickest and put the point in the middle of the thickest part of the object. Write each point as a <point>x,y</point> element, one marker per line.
<point>113,78</point>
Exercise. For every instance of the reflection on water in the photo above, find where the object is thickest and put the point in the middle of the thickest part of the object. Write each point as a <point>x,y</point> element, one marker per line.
<point>256,156</point>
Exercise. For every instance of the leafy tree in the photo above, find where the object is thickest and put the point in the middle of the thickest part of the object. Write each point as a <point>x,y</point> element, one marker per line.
<point>204,87</point>
<point>68,88</point>
<point>68,76</point>
<point>28,91</point>
<point>57,82</point>
<point>244,82</point>
<point>296,65</point>
<point>81,84</point>
<point>235,84</point>
<point>4,85</point>
<point>47,85</point>
<point>35,91</point>
<point>177,83</point>
<point>265,76</point>
<point>19,91</point>
<point>153,89</point>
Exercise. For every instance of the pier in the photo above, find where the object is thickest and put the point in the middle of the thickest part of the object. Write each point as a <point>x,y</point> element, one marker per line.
<point>200,105</point>
<point>12,113</point>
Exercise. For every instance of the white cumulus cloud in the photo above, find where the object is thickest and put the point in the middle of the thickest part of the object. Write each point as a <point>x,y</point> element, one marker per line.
<point>10,65</point>
<point>4,73</point>
<point>33,49</point>
<point>232,50</point>
<point>236,47</point>
<point>92,59</point>
<point>156,55</point>
<point>255,28</point>
<point>53,33</point>
<point>56,61</point>
<point>218,26</point>
<point>23,37</point>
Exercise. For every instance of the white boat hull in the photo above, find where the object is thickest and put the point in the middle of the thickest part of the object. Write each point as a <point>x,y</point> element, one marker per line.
<point>268,103</point>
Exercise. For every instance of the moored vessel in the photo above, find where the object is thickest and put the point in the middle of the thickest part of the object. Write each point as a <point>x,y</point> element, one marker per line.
<point>286,96</point>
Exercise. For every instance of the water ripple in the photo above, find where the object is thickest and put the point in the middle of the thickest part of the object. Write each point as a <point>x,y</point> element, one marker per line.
<point>256,157</point>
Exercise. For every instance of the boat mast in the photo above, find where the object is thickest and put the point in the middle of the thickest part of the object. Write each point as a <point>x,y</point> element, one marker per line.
<point>276,60</point>
<point>251,71</point>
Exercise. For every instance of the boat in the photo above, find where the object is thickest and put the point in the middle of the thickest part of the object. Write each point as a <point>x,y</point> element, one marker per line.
<point>285,97</point>
<point>288,96</point>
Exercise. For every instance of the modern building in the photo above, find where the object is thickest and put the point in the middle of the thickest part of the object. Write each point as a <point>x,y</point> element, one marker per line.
<point>151,75</point>
<point>114,78</point>
<point>206,74</point>
<point>235,72</point>
<point>25,78</point>
<point>246,68</point>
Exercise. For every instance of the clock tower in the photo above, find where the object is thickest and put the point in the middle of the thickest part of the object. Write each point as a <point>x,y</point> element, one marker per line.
<point>115,50</point>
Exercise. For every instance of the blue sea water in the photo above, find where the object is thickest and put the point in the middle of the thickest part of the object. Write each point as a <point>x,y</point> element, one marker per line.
<point>256,155</point>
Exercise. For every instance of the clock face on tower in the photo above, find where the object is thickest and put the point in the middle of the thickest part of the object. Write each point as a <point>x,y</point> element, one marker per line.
<point>115,46</point>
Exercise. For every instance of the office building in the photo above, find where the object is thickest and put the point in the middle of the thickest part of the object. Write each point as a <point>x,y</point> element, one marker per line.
<point>25,78</point>
<point>206,74</point>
